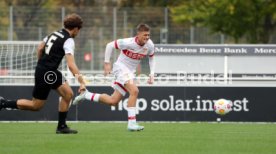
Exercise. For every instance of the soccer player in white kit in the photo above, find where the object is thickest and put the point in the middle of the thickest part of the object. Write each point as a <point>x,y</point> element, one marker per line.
<point>132,51</point>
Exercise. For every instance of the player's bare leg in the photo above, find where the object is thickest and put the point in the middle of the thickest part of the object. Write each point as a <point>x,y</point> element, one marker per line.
<point>33,105</point>
<point>133,93</point>
<point>66,94</point>
<point>131,106</point>
<point>22,104</point>
<point>112,100</point>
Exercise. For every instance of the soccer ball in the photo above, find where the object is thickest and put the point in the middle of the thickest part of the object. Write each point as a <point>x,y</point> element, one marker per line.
<point>222,106</point>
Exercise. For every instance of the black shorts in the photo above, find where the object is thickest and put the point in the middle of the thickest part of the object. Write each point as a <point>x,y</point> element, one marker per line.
<point>45,80</point>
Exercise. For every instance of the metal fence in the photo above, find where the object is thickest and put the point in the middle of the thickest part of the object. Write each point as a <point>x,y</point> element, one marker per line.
<point>102,24</point>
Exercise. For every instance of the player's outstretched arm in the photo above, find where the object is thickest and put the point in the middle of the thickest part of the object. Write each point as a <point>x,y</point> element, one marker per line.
<point>40,49</point>
<point>108,52</point>
<point>152,68</point>
<point>75,71</point>
<point>107,68</point>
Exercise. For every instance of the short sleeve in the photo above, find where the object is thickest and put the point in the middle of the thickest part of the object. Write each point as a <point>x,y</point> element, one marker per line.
<point>69,46</point>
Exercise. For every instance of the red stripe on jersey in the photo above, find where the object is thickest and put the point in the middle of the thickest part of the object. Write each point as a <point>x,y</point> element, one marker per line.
<point>132,118</point>
<point>116,44</point>
<point>151,55</point>
<point>120,85</point>
<point>133,55</point>
<point>92,98</point>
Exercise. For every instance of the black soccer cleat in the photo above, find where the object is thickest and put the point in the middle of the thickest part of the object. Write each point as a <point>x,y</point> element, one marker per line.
<point>66,130</point>
<point>1,102</point>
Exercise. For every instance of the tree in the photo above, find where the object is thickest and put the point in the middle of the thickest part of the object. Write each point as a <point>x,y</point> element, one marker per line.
<point>253,19</point>
<point>147,3</point>
<point>29,15</point>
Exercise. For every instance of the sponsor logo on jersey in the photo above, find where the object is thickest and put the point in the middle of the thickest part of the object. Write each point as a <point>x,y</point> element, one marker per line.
<point>133,55</point>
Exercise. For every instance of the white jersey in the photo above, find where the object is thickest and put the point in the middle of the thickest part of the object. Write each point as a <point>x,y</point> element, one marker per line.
<point>132,52</point>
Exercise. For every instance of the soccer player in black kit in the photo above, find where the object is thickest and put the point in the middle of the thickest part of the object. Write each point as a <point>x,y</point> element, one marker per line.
<point>50,52</point>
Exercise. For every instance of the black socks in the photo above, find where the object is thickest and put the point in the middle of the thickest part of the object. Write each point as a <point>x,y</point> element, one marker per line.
<point>62,119</point>
<point>8,104</point>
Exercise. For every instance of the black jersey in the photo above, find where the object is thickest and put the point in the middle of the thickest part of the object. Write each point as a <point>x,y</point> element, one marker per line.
<point>53,51</point>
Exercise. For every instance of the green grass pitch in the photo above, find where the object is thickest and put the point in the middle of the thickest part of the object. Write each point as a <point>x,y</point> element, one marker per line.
<point>157,138</point>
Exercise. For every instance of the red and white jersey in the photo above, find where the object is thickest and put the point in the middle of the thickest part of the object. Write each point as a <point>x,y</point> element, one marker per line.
<point>132,52</point>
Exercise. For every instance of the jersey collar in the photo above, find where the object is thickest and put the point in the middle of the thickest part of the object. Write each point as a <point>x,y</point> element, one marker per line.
<point>136,40</point>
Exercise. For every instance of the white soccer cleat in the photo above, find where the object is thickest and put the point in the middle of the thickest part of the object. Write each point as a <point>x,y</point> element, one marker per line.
<point>79,98</point>
<point>134,127</point>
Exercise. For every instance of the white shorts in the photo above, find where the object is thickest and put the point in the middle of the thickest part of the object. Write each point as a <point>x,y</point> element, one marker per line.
<point>122,76</point>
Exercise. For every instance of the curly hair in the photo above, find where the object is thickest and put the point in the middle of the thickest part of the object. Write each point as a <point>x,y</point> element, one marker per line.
<point>72,20</point>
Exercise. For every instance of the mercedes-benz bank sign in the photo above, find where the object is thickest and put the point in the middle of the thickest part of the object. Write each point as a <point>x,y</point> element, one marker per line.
<point>215,49</point>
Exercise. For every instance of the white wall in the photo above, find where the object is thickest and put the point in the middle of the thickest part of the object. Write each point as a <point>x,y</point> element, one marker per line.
<point>206,64</point>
